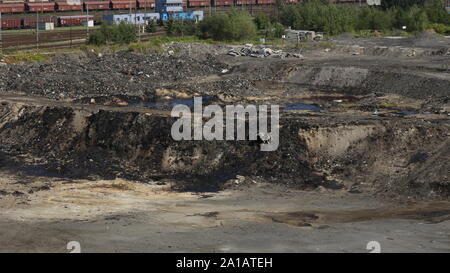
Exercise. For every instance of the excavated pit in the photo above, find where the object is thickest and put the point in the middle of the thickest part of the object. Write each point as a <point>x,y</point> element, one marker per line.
<point>86,152</point>
<point>347,122</point>
<point>355,153</point>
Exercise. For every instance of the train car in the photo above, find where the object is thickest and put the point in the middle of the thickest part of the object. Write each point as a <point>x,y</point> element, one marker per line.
<point>198,3</point>
<point>11,23</point>
<point>30,22</point>
<point>96,5</point>
<point>143,18</point>
<point>218,3</point>
<point>12,8</point>
<point>40,7</point>
<point>69,6</point>
<point>134,18</point>
<point>74,20</point>
<point>190,15</point>
<point>245,2</point>
<point>122,4</point>
<point>149,4</point>
<point>112,19</point>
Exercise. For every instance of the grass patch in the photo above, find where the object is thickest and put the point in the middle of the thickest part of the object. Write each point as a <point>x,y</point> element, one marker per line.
<point>349,105</point>
<point>387,105</point>
<point>312,45</point>
<point>29,31</point>
<point>26,56</point>
<point>375,33</point>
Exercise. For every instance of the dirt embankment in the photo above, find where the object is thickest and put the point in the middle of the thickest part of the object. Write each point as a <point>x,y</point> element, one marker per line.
<point>386,156</point>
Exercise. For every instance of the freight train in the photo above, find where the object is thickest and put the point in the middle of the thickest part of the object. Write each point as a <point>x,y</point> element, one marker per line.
<point>59,21</point>
<point>142,18</point>
<point>85,5</point>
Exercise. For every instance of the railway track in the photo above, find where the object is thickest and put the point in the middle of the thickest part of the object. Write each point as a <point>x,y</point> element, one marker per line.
<point>68,38</point>
<point>15,40</point>
<point>57,39</point>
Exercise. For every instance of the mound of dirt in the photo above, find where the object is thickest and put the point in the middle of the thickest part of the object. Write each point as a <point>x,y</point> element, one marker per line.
<point>344,36</point>
<point>123,73</point>
<point>426,35</point>
<point>427,39</point>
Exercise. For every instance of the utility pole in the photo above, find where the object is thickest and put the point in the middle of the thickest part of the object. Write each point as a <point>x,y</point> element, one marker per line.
<point>87,21</point>
<point>130,11</point>
<point>145,16</point>
<point>1,37</point>
<point>37,28</point>
<point>70,35</point>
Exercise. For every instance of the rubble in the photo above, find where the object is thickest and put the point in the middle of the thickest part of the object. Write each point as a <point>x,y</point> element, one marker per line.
<point>262,52</point>
<point>122,73</point>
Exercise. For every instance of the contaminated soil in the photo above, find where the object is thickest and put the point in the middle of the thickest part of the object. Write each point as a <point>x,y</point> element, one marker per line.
<point>86,152</point>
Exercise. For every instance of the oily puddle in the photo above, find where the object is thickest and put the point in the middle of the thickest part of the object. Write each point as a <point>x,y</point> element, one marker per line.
<point>301,107</point>
<point>433,212</point>
<point>171,102</point>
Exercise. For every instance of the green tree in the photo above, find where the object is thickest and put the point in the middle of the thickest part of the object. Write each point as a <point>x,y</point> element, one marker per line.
<point>122,33</point>
<point>387,4</point>
<point>232,26</point>
<point>262,21</point>
<point>436,12</point>
<point>278,30</point>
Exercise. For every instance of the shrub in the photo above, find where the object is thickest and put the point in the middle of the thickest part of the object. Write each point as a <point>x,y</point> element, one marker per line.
<point>233,26</point>
<point>441,29</point>
<point>278,30</point>
<point>262,21</point>
<point>180,27</point>
<point>122,33</point>
<point>151,26</point>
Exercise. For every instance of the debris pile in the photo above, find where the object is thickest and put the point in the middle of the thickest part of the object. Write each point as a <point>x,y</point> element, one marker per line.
<point>262,52</point>
<point>122,73</point>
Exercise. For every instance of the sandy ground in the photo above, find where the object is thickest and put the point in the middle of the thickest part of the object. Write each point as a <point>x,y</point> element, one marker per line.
<point>126,216</point>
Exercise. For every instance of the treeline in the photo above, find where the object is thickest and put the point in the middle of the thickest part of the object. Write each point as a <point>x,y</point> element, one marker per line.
<point>235,25</point>
<point>321,15</point>
<point>318,15</point>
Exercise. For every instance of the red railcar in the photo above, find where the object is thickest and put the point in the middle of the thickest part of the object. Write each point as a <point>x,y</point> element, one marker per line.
<point>122,4</point>
<point>199,3</point>
<point>67,6</point>
<point>30,22</point>
<point>96,5</point>
<point>40,7</point>
<point>223,2</point>
<point>11,23</point>
<point>74,20</point>
<point>245,2</point>
<point>146,4</point>
<point>12,8</point>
